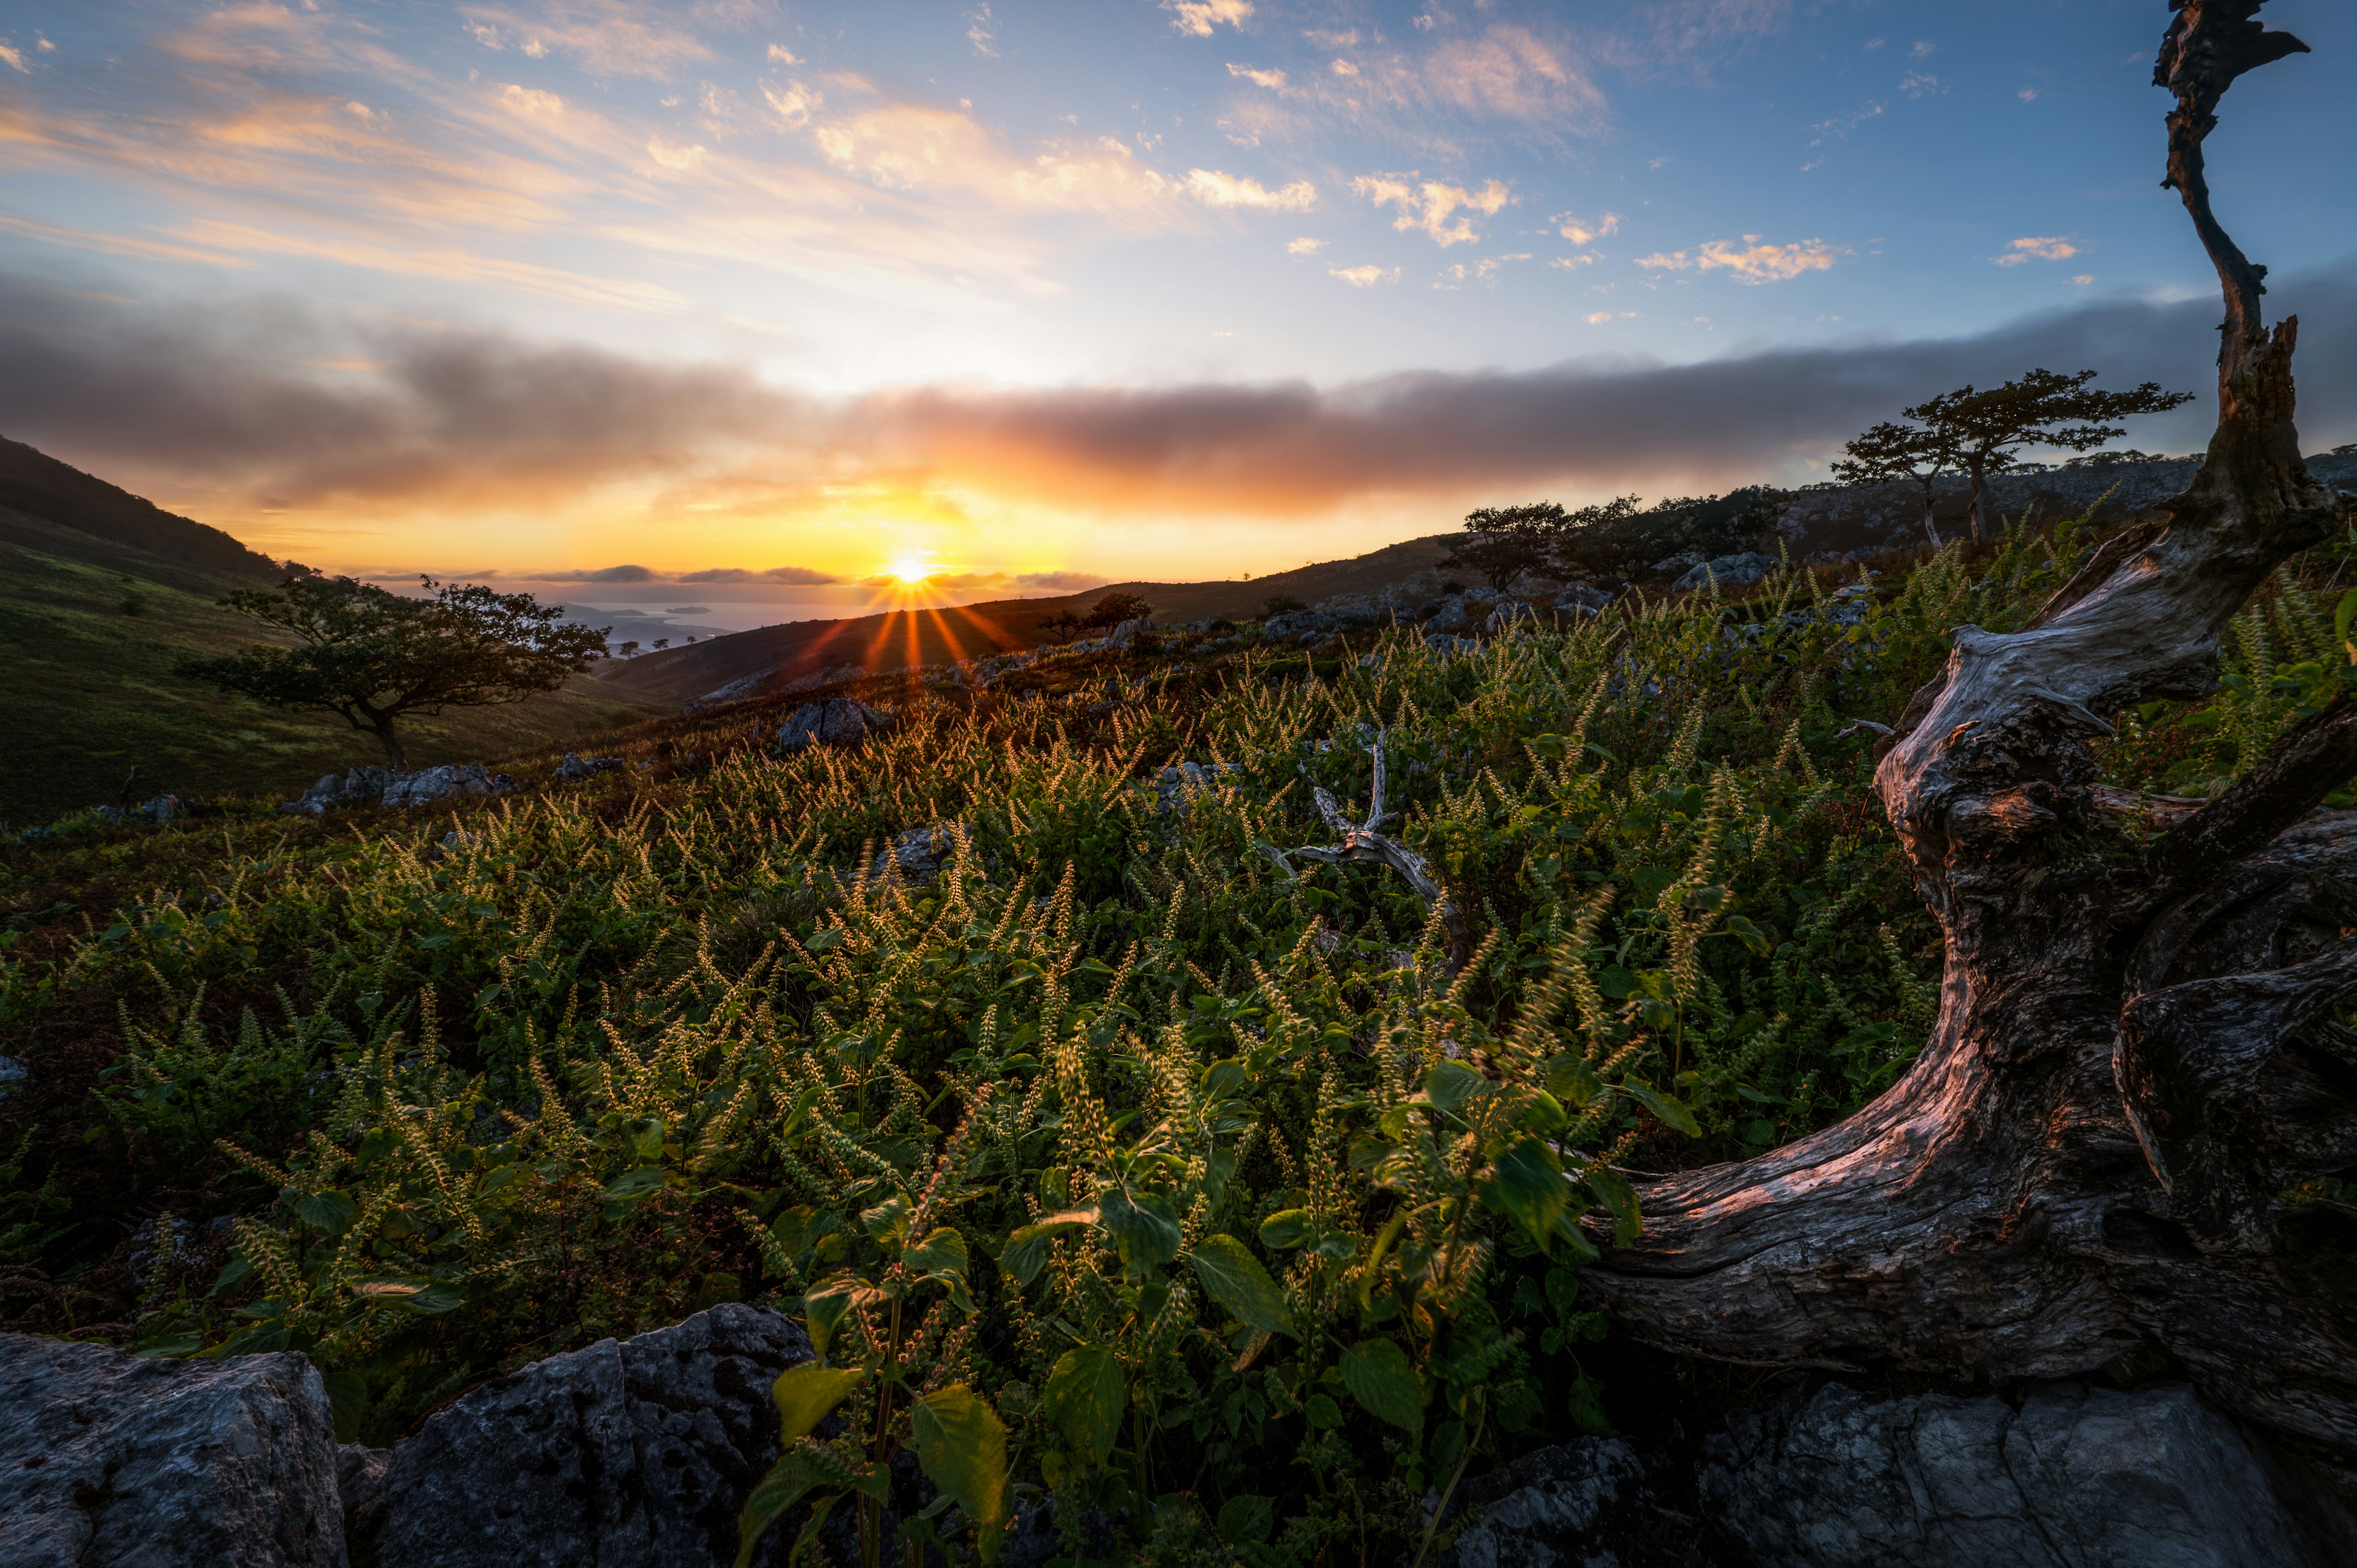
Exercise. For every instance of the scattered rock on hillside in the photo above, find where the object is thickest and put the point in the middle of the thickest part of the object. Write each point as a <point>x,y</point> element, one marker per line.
<point>161,808</point>
<point>452,781</point>
<point>1504,617</point>
<point>573,768</point>
<point>1593,1502</point>
<point>114,1458</point>
<point>2078,1475</point>
<point>1449,621</point>
<point>1727,571</point>
<point>920,854</point>
<point>834,675</point>
<point>841,721</point>
<point>14,1076</point>
<point>1581,599</point>
<point>636,1452</point>
<point>737,690</point>
<point>1176,787</point>
<point>362,786</point>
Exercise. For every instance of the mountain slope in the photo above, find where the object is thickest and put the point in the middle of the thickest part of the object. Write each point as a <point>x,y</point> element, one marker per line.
<point>34,484</point>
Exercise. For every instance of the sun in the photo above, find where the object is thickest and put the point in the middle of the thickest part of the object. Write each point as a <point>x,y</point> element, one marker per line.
<point>910,571</point>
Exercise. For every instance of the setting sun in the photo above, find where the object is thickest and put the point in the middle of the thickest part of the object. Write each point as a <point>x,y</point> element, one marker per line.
<point>910,571</point>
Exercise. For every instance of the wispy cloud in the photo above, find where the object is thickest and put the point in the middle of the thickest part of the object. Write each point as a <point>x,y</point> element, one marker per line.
<point>1199,17</point>
<point>1485,271</point>
<point>1213,189</point>
<point>1753,262</point>
<point>1365,276</point>
<point>606,37</point>
<point>2036,247</point>
<point>1305,246</point>
<point>1580,232</point>
<point>1442,212</point>
<point>1272,80</point>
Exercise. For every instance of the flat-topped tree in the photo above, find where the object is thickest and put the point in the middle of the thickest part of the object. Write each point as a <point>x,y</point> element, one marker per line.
<point>370,657</point>
<point>2135,1056</point>
<point>1917,452</point>
<point>1502,542</point>
<point>1983,431</point>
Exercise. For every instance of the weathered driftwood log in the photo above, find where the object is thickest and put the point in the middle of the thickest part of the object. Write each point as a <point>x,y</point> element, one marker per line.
<point>2135,1054</point>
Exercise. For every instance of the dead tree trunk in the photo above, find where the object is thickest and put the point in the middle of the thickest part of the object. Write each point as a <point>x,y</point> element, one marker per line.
<point>2135,1054</point>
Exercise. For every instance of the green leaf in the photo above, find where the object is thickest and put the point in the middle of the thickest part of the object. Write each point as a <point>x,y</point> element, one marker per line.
<point>1145,1227</point>
<point>1235,1278</point>
<point>962,1446</point>
<point>1749,935</point>
<point>1323,1412</point>
<point>425,1296</point>
<point>635,1184</point>
<point>1572,1080</point>
<point>1083,1400</point>
<point>1525,1184</point>
<point>329,1211</point>
<point>806,1394</point>
<point>1026,1250</point>
<point>789,1481</point>
<point>1380,1377</point>
<point>2343,614</point>
<point>1287,1228</point>
<point>1450,1084</point>
<point>942,1252</point>
<point>825,1305</point>
<point>1613,1191</point>
<point>1247,1520</point>
<point>1668,1109</point>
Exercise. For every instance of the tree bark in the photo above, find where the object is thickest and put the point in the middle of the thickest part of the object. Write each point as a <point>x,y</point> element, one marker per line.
<point>2135,1054</point>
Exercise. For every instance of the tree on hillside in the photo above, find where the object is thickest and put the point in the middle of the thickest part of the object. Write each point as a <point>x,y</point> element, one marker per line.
<point>2044,408</point>
<point>370,656</point>
<point>1107,612</point>
<point>1890,451</point>
<point>2103,1155</point>
<point>1502,542</point>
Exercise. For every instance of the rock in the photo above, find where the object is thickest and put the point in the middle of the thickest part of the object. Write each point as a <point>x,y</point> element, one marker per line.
<point>1451,620</point>
<point>1504,617</point>
<point>840,721</point>
<point>359,1483</point>
<point>629,1455</point>
<point>452,781</point>
<point>1176,787</point>
<point>921,854</point>
<point>1678,563</point>
<point>736,690</point>
<point>362,786</point>
<point>1125,634</point>
<point>161,808</point>
<point>1727,571</point>
<point>1582,599</point>
<point>134,1463</point>
<point>37,836</point>
<point>14,1076</point>
<point>834,675</point>
<point>573,769</point>
<point>2077,1476</point>
<point>1589,1503</point>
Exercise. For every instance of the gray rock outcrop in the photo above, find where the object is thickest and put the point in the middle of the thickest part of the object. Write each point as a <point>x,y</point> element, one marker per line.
<point>1590,1503</point>
<point>2076,1477</point>
<point>840,721</point>
<point>574,768</point>
<point>1727,571</point>
<point>629,1455</point>
<point>451,781</point>
<point>133,1463</point>
<point>918,856</point>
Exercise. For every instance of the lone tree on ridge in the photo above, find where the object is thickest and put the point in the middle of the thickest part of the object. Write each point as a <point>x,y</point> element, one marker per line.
<point>370,656</point>
<point>2044,408</point>
<point>1502,542</point>
<point>1892,451</point>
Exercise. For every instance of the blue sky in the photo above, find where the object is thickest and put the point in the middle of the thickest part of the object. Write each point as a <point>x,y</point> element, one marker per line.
<point>1038,292</point>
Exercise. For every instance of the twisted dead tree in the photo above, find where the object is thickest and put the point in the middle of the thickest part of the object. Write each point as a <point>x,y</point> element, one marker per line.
<point>2135,1055</point>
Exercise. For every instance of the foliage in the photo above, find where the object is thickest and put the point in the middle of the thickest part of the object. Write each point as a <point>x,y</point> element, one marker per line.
<point>1919,454</point>
<point>1108,1164</point>
<point>1502,543</point>
<point>1109,611</point>
<point>1619,540</point>
<point>369,656</point>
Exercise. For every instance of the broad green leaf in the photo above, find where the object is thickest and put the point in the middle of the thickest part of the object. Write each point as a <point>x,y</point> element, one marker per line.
<point>1083,1400</point>
<point>1026,1250</point>
<point>1613,1191</point>
<point>1323,1412</point>
<point>1247,1520</point>
<point>1568,1231</point>
<point>789,1481</point>
<point>944,1250</point>
<point>806,1394</point>
<point>1145,1227</point>
<point>328,1211</point>
<point>1450,1084</point>
<point>1235,1278</point>
<point>635,1184</point>
<point>962,1446</point>
<point>1525,1184</point>
<point>825,1305</point>
<point>1287,1228</point>
<point>1572,1080</point>
<point>1380,1377</point>
<point>2343,614</point>
<point>427,1297</point>
<point>1671,1110</point>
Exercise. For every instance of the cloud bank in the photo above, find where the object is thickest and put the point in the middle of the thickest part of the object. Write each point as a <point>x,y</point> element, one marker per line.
<point>297,413</point>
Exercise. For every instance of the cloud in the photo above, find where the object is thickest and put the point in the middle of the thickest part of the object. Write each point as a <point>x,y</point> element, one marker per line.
<point>979,32</point>
<point>602,575</point>
<point>1916,84</point>
<point>1428,205</point>
<point>2083,278</point>
<point>1272,80</point>
<point>802,575</point>
<point>1484,271</point>
<point>1305,246</point>
<point>13,55</point>
<point>1365,276</point>
<point>1755,262</point>
<point>689,610</point>
<point>1580,232</point>
<point>226,403</point>
<point>1198,17</point>
<point>606,37</point>
<point>1213,189</point>
<point>1070,581</point>
<point>2040,247</point>
<point>1533,81</point>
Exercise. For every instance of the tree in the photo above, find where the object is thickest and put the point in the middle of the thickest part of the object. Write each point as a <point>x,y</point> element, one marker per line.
<point>1502,542</point>
<point>629,649</point>
<point>661,643</point>
<point>1109,611</point>
<point>1921,453</point>
<point>2136,1054</point>
<point>2044,408</point>
<point>370,656</point>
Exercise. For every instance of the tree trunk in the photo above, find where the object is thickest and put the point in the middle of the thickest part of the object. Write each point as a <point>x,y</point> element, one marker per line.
<point>1980,498</point>
<point>2135,1055</point>
<point>394,756</point>
<point>1930,516</point>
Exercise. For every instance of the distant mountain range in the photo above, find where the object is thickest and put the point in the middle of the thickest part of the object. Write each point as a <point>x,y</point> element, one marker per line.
<point>38,489</point>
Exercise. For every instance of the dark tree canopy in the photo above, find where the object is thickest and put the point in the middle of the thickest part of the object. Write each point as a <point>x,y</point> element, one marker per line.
<point>2044,408</point>
<point>370,656</point>
<point>1109,611</point>
<point>1890,451</point>
<point>1502,542</point>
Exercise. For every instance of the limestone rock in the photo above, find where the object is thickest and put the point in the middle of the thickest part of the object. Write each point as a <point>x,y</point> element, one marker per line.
<point>1593,1502</point>
<point>452,781</point>
<point>1727,571</point>
<point>920,854</point>
<point>574,768</point>
<point>2077,1477</point>
<point>841,721</point>
<point>629,1455</point>
<point>1582,599</point>
<point>134,1463</point>
<point>14,1075</point>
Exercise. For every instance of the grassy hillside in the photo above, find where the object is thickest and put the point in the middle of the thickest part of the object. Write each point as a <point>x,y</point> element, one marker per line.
<point>91,630</point>
<point>1185,1167</point>
<point>36,485</point>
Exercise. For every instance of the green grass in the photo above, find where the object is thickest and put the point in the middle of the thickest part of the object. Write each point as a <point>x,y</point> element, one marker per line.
<point>1247,1222</point>
<point>91,645</point>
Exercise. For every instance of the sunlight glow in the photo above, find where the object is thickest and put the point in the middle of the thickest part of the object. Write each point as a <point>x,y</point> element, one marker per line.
<point>910,571</point>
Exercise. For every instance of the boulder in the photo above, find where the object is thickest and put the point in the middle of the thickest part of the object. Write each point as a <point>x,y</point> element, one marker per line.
<point>736,690</point>
<point>1450,647</point>
<point>2076,1476</point>
<point>841,721</point>
<point>1176,787</point>
<point>573,768</point>
<point>14,1076</point>
<point>1502,618</point>
<point>629,1455</point>
<point>1594,1502</point>
<point>161,808</point>
<point>38,837</point>
<point>451,781</point>
<point>1727,571</point>
<point>135,1463</point>
<point>1580,598</point>
<point>834,675</point>
<point>920,854</point>
<point>1449,620</point>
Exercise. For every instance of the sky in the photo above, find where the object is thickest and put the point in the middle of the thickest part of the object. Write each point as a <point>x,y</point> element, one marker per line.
<point>737,304</point>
